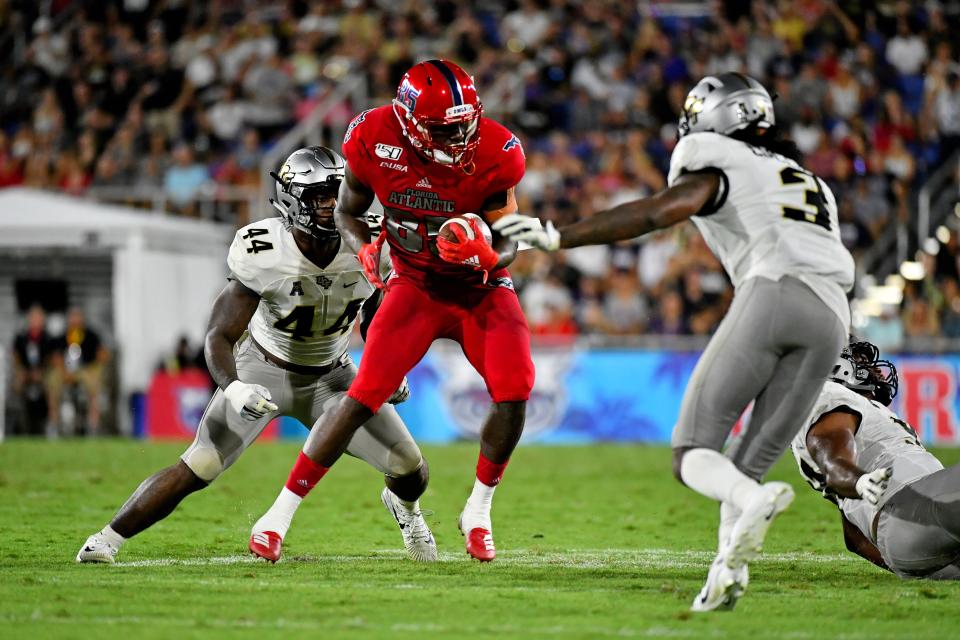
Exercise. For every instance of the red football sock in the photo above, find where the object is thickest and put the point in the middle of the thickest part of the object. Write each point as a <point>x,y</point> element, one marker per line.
<point>305,475</point>
<point>490,473</point>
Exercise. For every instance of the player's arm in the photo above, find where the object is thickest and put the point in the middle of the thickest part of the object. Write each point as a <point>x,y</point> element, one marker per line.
<point>832,446</point>
<point>690,194</point>
<point>497,206</point>
<point>353,202</point>
<point>859,544</point>
<point>229,318</point>
<point>231,314</point>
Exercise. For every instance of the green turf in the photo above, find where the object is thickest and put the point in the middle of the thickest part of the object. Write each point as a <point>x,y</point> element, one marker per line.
<point>593,542</point>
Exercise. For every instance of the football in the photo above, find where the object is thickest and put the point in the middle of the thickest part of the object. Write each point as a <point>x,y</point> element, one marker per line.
<point>446,229</point>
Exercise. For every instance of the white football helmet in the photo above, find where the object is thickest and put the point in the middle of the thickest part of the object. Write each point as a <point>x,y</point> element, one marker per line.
<point>309,177</point>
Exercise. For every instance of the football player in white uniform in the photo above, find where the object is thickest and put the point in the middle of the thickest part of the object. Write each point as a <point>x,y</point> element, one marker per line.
<point>898,505</point>
<point>773,226</point>
<point>277,345</point>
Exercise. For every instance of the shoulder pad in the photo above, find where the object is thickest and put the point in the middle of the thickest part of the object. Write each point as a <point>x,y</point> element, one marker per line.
<point>256,248</point>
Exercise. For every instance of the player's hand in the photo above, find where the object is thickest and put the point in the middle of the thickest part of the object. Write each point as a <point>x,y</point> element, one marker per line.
<point>521,228</point>
<point>401,394</point>
<point>871,486</point>
<point>369,257</point>
<point>251,401</point>
<point>476,253</point>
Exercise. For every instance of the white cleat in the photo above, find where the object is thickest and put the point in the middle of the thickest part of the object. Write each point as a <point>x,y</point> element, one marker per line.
<point>417,538</point>
<point>723,588</point>
<point>96,549</point>
<point>746,538</point>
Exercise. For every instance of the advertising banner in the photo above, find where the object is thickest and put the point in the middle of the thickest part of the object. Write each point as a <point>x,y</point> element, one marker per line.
<point>580,396</point>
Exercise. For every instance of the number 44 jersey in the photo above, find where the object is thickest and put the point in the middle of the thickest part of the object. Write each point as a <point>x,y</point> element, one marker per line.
<point>771,217</point>
<point>306,312</point>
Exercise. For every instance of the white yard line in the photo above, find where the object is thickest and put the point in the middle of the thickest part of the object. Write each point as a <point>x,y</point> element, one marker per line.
<point>578,558</point>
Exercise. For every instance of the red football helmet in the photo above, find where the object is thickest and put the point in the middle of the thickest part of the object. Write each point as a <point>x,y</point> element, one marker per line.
<point>439,111</point>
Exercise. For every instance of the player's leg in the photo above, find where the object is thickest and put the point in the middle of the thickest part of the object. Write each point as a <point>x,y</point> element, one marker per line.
<point>383,442</point>
<point>918,531</point>
<point>496,340</point>
<point>221,437</point>
<point>733,370</point>
<point>403,329</point>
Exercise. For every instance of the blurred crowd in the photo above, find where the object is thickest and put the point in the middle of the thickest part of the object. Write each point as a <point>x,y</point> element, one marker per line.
<point>185,96</point>
<point>61,376</point>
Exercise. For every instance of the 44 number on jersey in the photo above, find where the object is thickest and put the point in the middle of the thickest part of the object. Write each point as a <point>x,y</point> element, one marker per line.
<point>257,245</point>
<point>299,322</point>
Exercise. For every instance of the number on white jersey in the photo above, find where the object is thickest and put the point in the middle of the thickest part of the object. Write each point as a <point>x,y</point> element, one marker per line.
<point>813,207</point>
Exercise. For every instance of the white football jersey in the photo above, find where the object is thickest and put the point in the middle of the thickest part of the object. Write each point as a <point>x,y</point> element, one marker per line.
<point>882,440</point>
<point>306,313</point>
<point>771,217</point>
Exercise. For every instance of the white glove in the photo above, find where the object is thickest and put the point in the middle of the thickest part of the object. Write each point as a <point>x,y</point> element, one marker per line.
<point>401,394</point>
<point>871,486</point>
<point>251,401</point>
<point>521,228</point>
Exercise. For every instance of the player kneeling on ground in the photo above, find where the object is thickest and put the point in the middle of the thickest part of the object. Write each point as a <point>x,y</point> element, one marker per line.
<point>897,503</point>
<point>297,289</point>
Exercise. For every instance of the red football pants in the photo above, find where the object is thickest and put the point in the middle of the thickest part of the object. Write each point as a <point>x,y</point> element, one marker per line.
<point>487,323</point>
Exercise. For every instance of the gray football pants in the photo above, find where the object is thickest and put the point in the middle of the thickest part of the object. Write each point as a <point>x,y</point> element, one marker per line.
<point>223,435</point>
<point>776,345</point>
<point>918,530</point>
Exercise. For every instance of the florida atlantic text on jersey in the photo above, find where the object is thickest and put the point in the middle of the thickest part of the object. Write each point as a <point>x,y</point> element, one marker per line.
<point>418,195</point>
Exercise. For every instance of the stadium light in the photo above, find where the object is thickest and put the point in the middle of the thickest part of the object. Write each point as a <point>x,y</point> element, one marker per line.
<point>912,270</point>
<point>943,234</point>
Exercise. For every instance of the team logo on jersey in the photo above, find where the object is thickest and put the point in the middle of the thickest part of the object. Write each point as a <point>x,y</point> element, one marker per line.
<point>297,289</point>
<point>387,151</point>
<point>514,141</point>
<point>360,118</point>
<point>324,281</point>
<point>466,397</point>
<point>407,95</point>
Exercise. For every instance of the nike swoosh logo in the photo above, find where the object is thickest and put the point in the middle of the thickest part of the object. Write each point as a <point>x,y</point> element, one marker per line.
<point>773,510</point>
<point>88,549</point>
<point>351,284</point>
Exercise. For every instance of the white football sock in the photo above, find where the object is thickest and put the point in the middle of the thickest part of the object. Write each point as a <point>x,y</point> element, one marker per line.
<point>111,537</point>
<point>729,515</point>
<point>713,475</point>
<point>476,513</point>
<point>280,514</point>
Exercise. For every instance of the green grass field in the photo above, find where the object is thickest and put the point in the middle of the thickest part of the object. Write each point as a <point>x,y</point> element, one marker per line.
<point>593,542</point>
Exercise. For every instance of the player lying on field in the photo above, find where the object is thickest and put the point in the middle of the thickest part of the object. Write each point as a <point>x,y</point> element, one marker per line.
<point>428,157</point>
<point>773,225</point>
<point>899,507</point>
<point>277,345</point>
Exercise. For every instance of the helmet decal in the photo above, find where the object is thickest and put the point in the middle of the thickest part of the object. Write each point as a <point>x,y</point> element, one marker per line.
<point>407,95</point>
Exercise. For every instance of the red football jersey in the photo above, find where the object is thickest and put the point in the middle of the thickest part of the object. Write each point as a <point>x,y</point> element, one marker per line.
<point>418,195</point>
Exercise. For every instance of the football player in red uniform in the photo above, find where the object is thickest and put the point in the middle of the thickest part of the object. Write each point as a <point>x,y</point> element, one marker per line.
<point>430,156</point>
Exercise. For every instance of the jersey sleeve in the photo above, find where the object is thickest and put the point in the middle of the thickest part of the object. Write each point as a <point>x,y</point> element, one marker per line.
<point>703,153</point>
<point>255,249</point>
<point>511,165</point>
<point>354,148</point>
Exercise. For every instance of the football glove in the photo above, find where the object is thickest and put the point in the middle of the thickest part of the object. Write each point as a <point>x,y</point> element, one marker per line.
<point>871,486</point>
<point>251,401</point>
<point>369,257</point>
<point>521,228</point>
<point>476,253</point>
<point>401,394</point>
